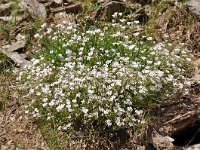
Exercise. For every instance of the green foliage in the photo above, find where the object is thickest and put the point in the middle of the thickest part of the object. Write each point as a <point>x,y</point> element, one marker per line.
<point>105,77</point>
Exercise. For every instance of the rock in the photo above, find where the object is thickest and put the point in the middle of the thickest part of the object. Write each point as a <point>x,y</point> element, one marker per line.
<point>194,147</point>
<point>180,122</point>
<point>74,8</point>
<point>24,56</point>
<point>162,142</point>
<point>194,6</point>
<point>21,62</point>
<point>34,8</point>
<point>141,148</point>
<point>3,147</point>
<point>196,78</point>
<point>14,46</point>
<point>197,62</point>
<point>110,8</point>
<point>9,51</point>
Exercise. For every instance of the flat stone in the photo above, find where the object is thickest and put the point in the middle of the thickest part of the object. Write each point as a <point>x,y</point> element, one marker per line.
<point>194,6</point>
<point>14,46</point>
<point>4,147</point>
<point>110,8</point>
<point>193,147</point>
<point>162,142</point>
<point>34,8</point>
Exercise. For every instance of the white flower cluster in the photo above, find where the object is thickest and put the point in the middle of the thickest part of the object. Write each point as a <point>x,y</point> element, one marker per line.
<point>100,75</point>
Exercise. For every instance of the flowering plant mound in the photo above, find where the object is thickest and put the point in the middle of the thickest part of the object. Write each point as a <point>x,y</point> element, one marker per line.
<point>101,76</point>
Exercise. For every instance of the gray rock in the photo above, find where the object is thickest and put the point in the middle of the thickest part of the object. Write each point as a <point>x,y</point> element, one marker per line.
<point>194,6</point>
<point>4,147</point>
<point>34,8</point>
<point>162,142</point>
<point>14,46</point>
<point>110,8</point>
<point>193,147</point>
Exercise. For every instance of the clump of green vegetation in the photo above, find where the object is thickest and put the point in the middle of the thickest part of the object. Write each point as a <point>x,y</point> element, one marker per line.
<point>5,63</point>
<point>101,76</point>
<point>5,77</point>
<point>174,19</point>
<point>5,27</point>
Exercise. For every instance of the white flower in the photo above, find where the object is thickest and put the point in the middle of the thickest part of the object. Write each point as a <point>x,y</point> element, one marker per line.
<point>170,77</point>
<point>37,35</point>
<point>139,112</point>
<point>84,110</point>
<point>136,33</point>
<point>44,25</point>
<point>52,103</point>
<point>129,109</point>
<point>74,100</point>
<point>129,23</point>
<point>44,104</point>
<point>90,91</point>
<point>115,15</point>
<point>38,93</point>
<point>109,122</point>
<point>136,22</point>
<point>152,73</point>
<point>60,107</point>
<point>120,14</point>
<point>118,122</point>
<point>122,20</point>
<point>90,53</point>
<point>160,73</point>
<point>31,91</point>
<point>101,34</point>
<point>49,30</point>
<point>149,38</point>
<point>105,112</point>
<point>157,63</point>
<point>97,31</point>
<point>130,47</point>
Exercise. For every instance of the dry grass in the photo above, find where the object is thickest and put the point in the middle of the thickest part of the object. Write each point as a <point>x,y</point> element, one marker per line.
<point>179,22</point>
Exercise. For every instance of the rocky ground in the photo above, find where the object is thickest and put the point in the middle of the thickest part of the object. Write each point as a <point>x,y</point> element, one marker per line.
<point>176,120</point>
